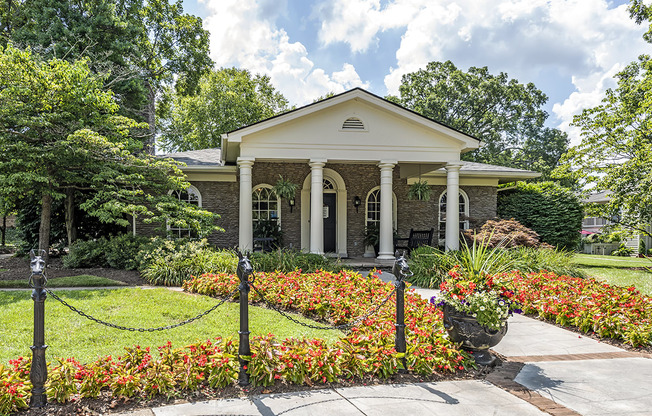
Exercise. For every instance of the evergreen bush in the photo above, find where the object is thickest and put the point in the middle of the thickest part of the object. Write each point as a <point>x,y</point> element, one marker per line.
<point>552,211</point>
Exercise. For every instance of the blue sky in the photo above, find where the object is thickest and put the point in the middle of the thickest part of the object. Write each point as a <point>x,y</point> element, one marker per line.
<point>570,49</point>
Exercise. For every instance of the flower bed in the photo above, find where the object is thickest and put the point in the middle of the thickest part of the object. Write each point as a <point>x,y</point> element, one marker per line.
<point>367,350</point>
<point>590,305</point>
<point>339,298</point>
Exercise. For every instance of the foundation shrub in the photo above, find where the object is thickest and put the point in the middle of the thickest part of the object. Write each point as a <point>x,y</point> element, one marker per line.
<point>193,260</point>
<point>288,260</point>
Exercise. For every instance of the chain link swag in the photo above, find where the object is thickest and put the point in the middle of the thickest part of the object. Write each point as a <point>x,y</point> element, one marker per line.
<point>336,327</point>
<point>124,328</point>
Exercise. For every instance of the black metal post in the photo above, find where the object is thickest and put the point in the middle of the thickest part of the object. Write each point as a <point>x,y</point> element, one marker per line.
<point>399,343</point>
<point>39,371</point>
<point>244,348</point>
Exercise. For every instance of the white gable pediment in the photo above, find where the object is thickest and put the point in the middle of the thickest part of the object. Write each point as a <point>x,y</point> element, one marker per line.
<point>355,126</point>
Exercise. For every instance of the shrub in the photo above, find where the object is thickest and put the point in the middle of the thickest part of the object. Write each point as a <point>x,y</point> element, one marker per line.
<point>534,260</point>
<point>623,251</point>
<point>430,266</point>
<point>506,233</point>
<point>84,254</point>
<point>168,249</point>
<point>552,211</point>
<point>118,252</point>
<point>121,251</point>
<point>288,260</point>
<point>192,260</point>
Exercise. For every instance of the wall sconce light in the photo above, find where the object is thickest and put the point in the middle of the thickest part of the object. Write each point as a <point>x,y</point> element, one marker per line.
<point>291,201</point>
<point>356,203</point>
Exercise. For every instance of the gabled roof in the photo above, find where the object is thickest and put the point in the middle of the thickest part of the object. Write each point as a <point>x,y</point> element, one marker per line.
<point>346,93</point>
<point>503,173</point>
<point>231,140</point>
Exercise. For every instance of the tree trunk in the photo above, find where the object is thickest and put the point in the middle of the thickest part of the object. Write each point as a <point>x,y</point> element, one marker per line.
<point>4,229</point>
<point>44,228</point>
<point>71,225</point>
<point>151,119</point>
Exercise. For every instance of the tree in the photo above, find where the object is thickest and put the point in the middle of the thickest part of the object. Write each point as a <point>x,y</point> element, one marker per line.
<point>59,132</point>
<point>7,208</point>
<point>504,114</point>
<point>615,154</point>
<point>142,46</point>
<point>641,12</point>
<point>228,98</point>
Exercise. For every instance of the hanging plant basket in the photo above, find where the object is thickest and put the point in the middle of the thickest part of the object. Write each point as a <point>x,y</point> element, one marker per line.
<point>419,190</point>
<point>285,189</point>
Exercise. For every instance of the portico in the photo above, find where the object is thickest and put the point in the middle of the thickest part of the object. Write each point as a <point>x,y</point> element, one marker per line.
<point>353,130</point>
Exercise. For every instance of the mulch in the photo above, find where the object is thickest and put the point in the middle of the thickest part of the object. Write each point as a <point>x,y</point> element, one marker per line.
<point>16,268</point>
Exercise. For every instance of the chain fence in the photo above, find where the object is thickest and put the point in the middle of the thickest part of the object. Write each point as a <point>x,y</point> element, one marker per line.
<point>125,328</point>
<point>335,327</point>
<point>341,327</point>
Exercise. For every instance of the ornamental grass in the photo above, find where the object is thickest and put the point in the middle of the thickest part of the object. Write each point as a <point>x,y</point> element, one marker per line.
<point>335,298</point>
<point>621,313</point>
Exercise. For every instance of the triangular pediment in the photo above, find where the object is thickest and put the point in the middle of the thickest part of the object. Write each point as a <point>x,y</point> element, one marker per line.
<point>352,126</point>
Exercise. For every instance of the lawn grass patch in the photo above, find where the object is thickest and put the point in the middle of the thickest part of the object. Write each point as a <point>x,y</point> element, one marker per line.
<point>69,335</point>
<point>594,260</point>
<point>69,281</point>
<point>641,279</point>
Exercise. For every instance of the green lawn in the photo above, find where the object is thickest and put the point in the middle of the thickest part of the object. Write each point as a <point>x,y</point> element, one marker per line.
<point>642,280</point>
<point>594,260</point>
<point>72,281</point>
<point>614,270</point>
<point>69,335</point>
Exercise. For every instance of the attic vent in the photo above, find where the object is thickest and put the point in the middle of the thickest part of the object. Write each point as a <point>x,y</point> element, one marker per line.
<point>353,123</point>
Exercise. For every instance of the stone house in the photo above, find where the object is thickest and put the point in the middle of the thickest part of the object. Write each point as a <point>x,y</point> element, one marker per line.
<point>354,157</point>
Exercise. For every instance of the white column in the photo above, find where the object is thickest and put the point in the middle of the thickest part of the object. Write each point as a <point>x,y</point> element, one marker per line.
<point>246,241</point>
<point>386,246</point>
<point>316,205</point>
<point>453,206</point>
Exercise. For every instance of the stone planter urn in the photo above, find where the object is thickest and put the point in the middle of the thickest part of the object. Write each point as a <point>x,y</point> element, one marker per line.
<point>474,337</point>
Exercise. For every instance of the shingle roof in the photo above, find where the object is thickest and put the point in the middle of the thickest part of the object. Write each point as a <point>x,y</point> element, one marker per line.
<point>474,167</point>
<point>198,158</point>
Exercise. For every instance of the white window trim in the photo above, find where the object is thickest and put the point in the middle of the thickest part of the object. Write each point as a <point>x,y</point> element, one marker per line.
<point>278,202</point>
<point>394,208</point>
<point>177,231</point>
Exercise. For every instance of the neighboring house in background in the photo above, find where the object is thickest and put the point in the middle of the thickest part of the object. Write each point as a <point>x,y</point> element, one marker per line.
<point>596,225</point>
<point>353,157</point>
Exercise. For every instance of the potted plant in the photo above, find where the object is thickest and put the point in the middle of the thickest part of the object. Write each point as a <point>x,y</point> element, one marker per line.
<point>372,236</point>
<point>419,190</point>
<point>285,189</point>
<point>475,306</point>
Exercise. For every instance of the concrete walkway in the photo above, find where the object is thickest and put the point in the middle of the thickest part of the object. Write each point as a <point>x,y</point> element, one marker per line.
<point>548,371</point>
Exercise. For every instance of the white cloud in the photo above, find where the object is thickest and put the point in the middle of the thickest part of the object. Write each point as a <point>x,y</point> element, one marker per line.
<point>580,41</point>
<point>243,34</point>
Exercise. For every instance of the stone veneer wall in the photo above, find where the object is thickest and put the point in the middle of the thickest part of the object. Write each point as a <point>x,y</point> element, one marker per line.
<point>360,179</point>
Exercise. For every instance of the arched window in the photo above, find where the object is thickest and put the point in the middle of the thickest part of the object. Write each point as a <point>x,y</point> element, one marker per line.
<point>265,204</point>
<point>373,207</point>
<point>189,196</point>
<point>464,214</point>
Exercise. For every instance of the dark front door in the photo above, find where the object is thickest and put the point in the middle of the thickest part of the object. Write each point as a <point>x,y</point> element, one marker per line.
<point>330,227</point>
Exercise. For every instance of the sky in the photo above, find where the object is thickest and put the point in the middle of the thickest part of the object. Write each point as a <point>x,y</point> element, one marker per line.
<point>570,49</point>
